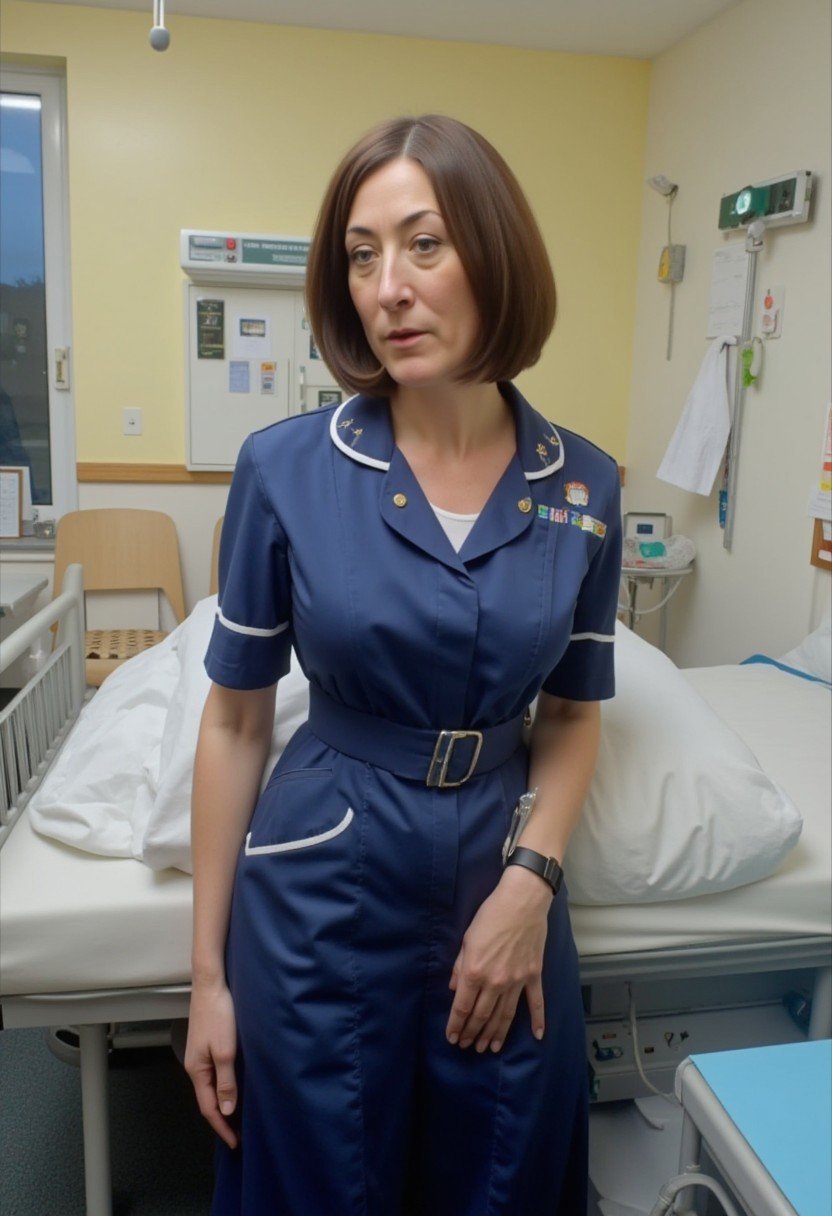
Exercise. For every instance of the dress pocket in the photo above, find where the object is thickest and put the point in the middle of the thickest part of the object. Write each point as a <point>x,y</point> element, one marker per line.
<point>297,810</point>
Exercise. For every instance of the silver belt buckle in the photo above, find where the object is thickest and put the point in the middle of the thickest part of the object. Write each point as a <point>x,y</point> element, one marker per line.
<point>445,743</point>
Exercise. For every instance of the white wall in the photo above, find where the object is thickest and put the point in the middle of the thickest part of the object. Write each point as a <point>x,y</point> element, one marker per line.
<point>745,98</point>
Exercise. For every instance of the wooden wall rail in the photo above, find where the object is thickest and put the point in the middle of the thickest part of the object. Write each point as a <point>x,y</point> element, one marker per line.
<point>169,474</point>
<point>155,474</point>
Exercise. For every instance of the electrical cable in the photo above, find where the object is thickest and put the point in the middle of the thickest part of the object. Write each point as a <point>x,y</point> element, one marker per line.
<point>638,613</point>
<point>631,1013</point>
<point>669,352</point>
<point>671,1189</point>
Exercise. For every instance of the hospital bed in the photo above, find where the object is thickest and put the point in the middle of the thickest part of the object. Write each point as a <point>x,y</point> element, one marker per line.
<point>96,942</point>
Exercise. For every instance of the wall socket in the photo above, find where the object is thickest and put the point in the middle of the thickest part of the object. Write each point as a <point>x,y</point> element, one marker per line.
<point>131,422</point>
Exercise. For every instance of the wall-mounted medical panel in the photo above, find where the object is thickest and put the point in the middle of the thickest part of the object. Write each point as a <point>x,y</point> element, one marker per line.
<point>237,257</point>
<point>251,361</point>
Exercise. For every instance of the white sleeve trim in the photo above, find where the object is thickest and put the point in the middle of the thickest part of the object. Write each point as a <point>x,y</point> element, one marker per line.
<point>249,629</point>
<point>306,842</point>
<point>592,637</point>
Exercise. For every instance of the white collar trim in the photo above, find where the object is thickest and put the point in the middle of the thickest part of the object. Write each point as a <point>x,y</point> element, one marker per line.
<point>359,457</point>
<point>373,463</point>
<point>550,468</point>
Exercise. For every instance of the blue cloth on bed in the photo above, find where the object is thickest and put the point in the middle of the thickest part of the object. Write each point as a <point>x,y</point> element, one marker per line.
<point>792,671</point>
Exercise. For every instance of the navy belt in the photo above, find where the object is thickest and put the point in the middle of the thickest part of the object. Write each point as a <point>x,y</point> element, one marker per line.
<point>435,757</point>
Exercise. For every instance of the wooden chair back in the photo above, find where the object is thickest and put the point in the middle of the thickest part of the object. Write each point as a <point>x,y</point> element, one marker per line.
<point>214,584</point>
<point>122,549</point>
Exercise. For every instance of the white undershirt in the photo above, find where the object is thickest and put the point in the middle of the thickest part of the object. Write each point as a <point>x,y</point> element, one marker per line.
<point>456,526</point>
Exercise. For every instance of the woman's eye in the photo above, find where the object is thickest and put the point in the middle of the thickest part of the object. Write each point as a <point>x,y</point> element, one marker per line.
<point>426,244</point>
<point>361,257</point>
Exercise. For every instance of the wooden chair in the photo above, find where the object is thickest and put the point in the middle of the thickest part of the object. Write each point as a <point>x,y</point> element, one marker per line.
<point>120,549</point>
<point>214,583</point>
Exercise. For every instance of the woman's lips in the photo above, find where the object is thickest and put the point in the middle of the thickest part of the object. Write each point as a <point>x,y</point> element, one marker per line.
<point>404,337</point>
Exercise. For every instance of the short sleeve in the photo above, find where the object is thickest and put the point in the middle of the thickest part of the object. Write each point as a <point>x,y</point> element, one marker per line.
<point>586,672</point>
<point>251,643</point>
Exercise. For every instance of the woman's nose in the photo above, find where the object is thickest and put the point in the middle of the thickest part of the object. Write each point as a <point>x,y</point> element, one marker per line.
<point>394,290</point>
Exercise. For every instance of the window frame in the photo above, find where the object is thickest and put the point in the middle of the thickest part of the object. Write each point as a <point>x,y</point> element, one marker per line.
<point>50,86</point>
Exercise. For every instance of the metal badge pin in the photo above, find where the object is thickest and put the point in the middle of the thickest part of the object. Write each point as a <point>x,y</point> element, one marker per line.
<point>576,493</point>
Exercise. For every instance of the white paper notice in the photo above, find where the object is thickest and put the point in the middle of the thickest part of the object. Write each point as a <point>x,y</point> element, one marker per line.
<point>239,376</point>
<point>728,282</point>
<point>10,503</point>
<point>251,337</point>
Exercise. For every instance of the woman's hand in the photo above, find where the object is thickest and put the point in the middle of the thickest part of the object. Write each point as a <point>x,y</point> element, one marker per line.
<point>501,957</point>
<point>209,1055</point>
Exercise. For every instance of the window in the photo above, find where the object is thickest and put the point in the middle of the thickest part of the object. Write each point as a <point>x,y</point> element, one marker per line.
<point>36,410</point>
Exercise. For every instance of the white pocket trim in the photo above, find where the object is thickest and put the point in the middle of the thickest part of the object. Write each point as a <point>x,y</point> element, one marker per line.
<point>290,846</point>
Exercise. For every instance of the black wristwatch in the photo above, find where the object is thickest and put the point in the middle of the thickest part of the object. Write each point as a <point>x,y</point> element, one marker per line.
<point>548,869</point>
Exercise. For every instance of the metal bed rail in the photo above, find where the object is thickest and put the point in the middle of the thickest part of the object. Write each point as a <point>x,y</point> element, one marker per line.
<point>36,721</point>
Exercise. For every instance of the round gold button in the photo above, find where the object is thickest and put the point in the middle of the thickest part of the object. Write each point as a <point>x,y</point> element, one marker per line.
<point>400,500</point>
<point>525,505</point>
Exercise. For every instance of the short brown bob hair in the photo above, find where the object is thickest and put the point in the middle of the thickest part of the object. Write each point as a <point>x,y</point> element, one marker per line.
<point>491,226</point>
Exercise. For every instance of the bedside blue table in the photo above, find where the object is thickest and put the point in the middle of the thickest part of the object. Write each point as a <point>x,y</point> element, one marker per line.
<point>765,1114</point>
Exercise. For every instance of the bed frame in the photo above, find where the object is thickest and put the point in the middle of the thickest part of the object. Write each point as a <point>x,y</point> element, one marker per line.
<point>35,723</point>
<point>32,728</point>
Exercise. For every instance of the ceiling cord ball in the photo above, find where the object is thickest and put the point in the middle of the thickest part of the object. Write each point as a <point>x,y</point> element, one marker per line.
<point>159,36</point>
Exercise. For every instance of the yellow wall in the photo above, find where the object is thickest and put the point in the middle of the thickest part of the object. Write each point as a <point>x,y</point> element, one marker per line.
<point>239,125</point>
<point>712,128</point>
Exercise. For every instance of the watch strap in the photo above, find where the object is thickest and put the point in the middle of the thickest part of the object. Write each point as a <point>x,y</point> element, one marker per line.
<point>546,867</point>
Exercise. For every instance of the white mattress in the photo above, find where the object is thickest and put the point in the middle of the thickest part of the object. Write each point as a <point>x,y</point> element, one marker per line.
<point>74,922</point>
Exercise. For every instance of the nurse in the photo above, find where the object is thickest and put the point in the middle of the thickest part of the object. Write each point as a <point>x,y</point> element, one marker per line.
<point>386,1015</point>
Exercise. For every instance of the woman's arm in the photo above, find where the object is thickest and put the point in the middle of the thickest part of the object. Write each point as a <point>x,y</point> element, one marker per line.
<point>564,749</point>
<point>502,951</point>
<point>233,746</point>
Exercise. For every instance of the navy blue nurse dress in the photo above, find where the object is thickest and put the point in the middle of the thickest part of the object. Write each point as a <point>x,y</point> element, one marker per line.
<point>355,883</point>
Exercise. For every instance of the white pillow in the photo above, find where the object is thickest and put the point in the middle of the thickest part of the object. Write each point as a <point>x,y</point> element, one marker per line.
<point>814,654</point>
<point>678,805</point>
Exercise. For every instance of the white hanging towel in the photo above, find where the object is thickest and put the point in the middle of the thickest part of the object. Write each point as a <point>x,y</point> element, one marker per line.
<point>694,454</point>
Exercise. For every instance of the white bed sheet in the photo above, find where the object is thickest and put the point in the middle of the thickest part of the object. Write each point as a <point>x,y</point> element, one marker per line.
<point>76,922</point>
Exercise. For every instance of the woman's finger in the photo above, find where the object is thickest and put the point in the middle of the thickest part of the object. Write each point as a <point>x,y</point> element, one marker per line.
<point>465,997</point>
<point>534,996</point>
<point>206,1096</point>
<point>471,1013</point>
<point>454,980</point>
<point>493,1034</point>
<point>467,1000</point>
<point>226,1086</point>
<point>480,1015</point>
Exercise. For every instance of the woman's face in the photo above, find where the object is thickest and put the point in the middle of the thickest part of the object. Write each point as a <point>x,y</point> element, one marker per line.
<point>406,279</point>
